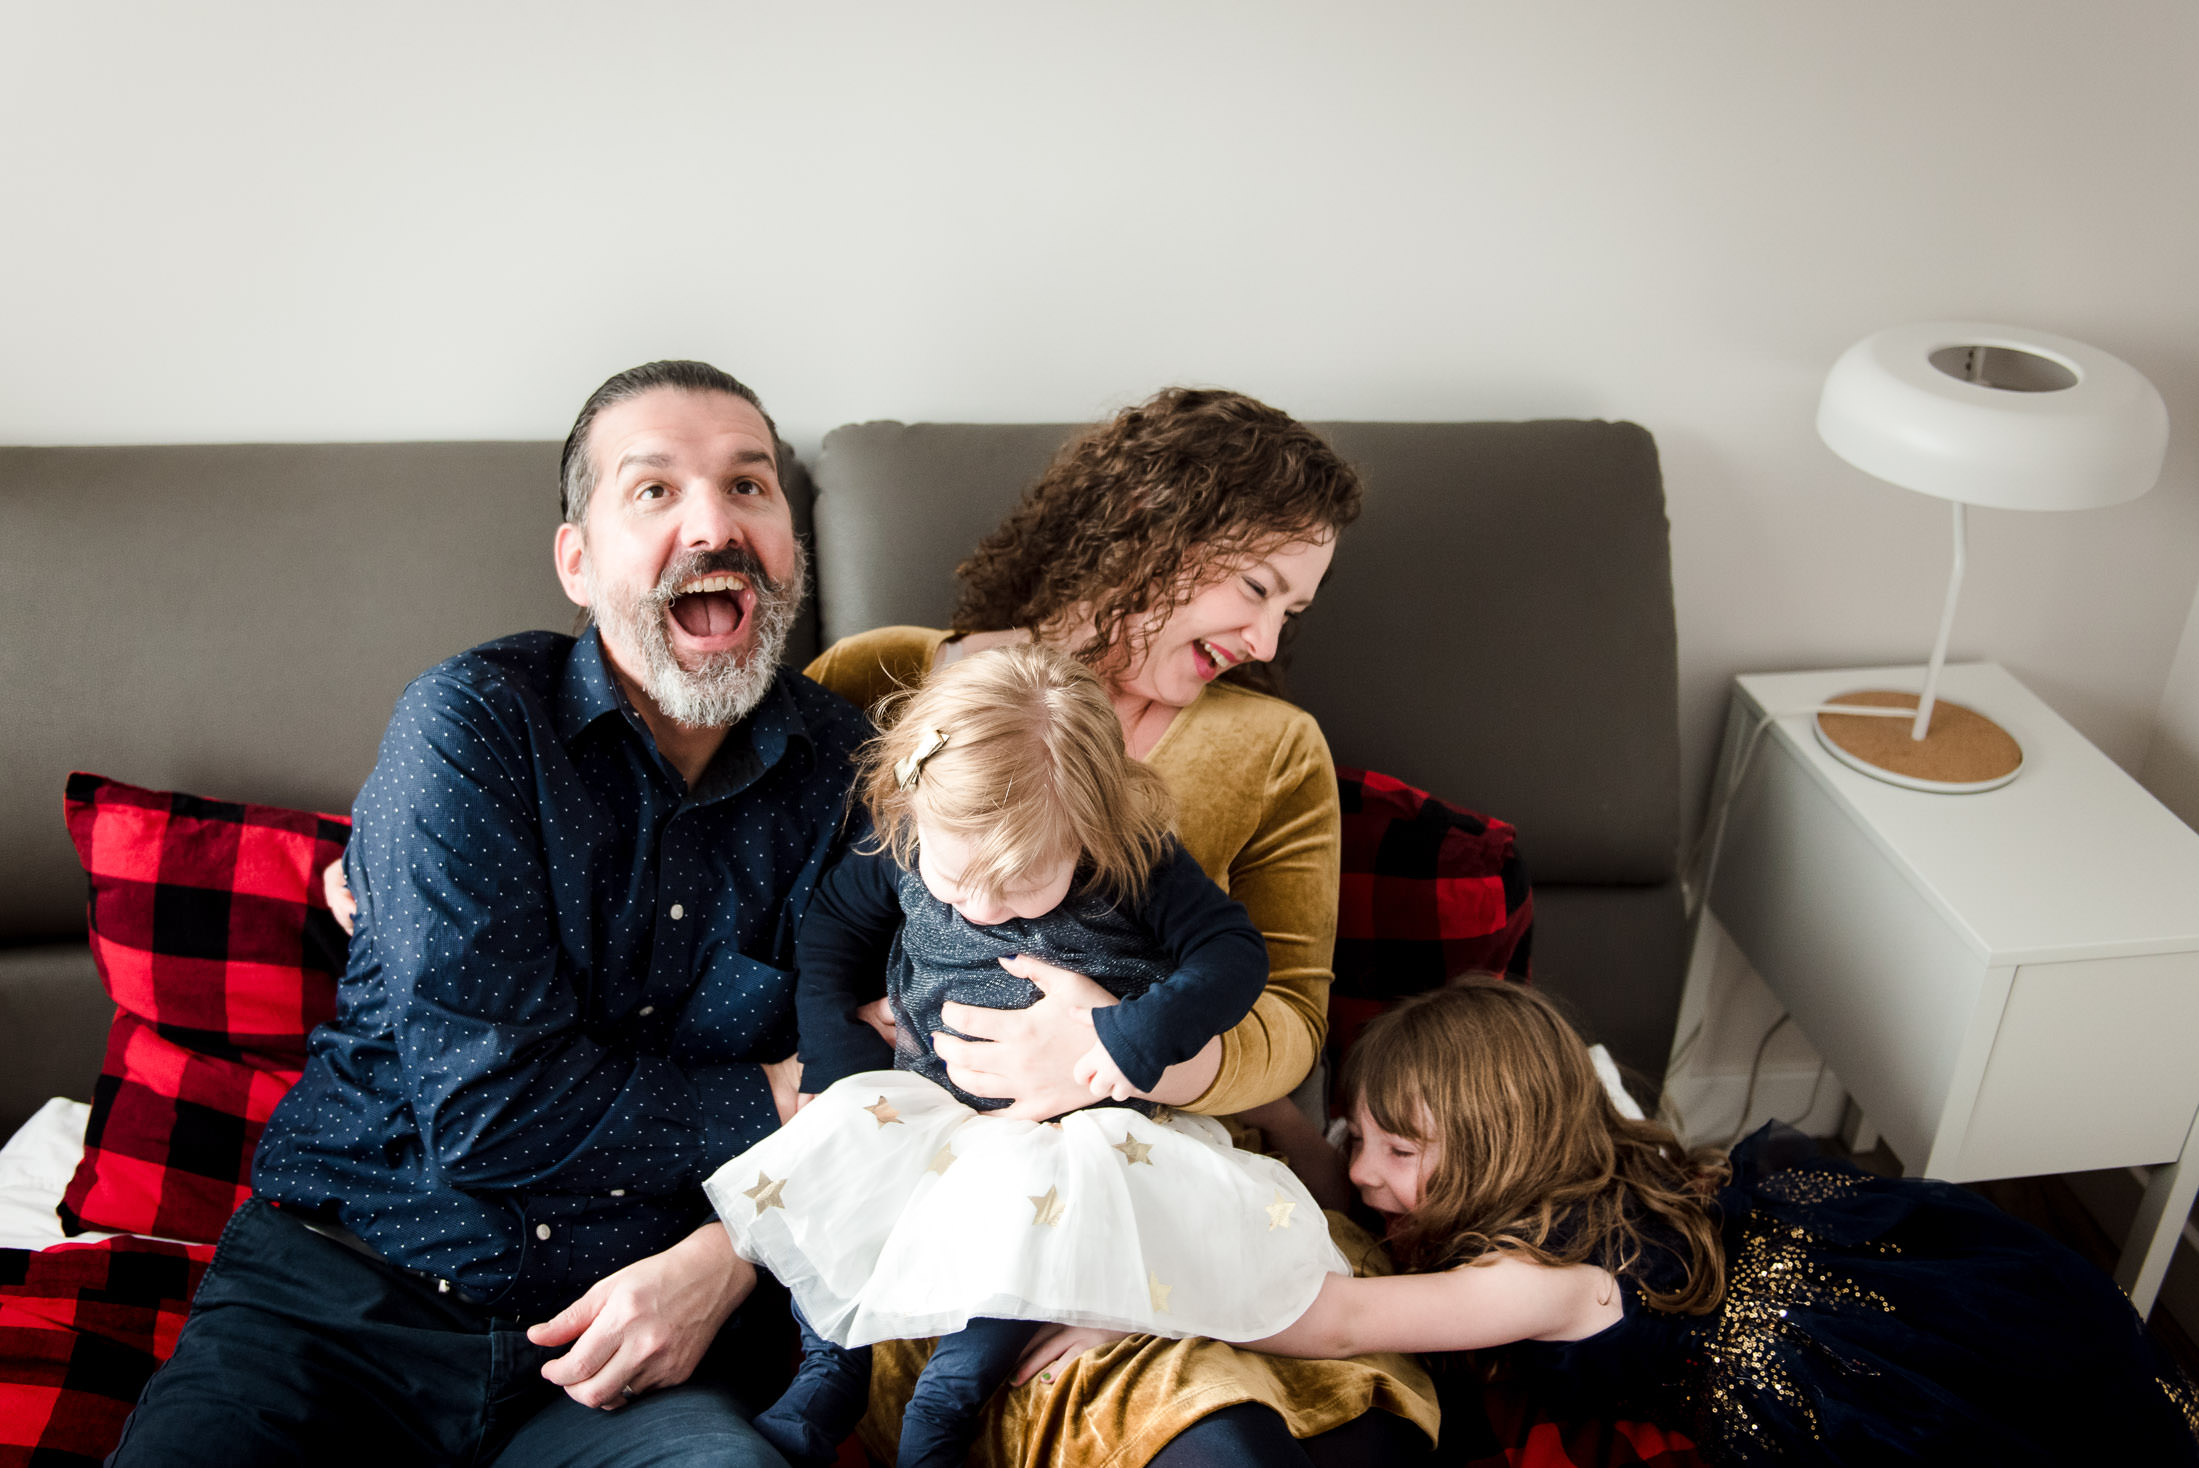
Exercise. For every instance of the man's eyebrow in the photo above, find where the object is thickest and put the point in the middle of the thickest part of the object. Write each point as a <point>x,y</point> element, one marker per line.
<point>658,459</point>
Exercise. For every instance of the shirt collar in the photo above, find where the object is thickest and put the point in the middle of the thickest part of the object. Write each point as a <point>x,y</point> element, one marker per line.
<point>756,743</point>
<point>590,692</point>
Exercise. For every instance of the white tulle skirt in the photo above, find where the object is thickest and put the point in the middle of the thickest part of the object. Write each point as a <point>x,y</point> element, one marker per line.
<point>892,1211</point>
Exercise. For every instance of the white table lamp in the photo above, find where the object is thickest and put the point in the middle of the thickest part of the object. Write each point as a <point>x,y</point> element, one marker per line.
<point>1979,415</point>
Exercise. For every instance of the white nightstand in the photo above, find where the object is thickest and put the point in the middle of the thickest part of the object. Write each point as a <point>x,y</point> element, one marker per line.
<point>2007,983</point>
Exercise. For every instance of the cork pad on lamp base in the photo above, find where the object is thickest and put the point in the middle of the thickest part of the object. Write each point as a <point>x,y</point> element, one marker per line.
<point>1963,753</point>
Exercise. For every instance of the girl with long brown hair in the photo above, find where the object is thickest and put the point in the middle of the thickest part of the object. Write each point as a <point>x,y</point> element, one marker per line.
<point>1783,1307</point>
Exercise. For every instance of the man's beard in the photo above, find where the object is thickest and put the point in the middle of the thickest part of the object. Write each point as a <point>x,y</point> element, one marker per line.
<point>721,691</point>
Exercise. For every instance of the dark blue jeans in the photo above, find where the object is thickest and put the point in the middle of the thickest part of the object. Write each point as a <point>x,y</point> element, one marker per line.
<point>832,1388</point>
<point>299,1349</point>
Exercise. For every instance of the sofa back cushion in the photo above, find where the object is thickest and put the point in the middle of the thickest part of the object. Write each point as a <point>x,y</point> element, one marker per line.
<point>241,619</point>
<point>1498,625</point>
<point>1498,628</point>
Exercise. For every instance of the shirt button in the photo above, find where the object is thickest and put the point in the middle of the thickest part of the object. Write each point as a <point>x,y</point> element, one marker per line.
<point>678,912</point>
<point>542,1231</point>
<point>646,1010</point>
<point>618,1192</point>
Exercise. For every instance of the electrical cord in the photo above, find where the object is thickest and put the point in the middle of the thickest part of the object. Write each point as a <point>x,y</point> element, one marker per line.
<point>1700,870</point>
<point>1756,1070</point>
<point>1694,890</point>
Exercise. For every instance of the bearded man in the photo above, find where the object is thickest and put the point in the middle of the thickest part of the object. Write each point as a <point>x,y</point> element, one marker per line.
<point>478,1232</point>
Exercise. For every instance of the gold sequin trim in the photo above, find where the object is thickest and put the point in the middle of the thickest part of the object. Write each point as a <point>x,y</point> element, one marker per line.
<point>1774,1279</point>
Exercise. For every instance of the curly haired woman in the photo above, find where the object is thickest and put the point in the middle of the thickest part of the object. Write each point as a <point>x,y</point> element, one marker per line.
<point>1168,549</point>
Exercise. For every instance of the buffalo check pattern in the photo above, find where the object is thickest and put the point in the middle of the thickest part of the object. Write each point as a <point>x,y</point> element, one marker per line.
<point>210,932</point>
<point>1512,1429</point>
<point>212,936</point>
<point>1429,891</point>
<point>81,1328</point>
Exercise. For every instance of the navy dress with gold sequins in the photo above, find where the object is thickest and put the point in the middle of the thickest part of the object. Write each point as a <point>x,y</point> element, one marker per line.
<point>1872,1320</point>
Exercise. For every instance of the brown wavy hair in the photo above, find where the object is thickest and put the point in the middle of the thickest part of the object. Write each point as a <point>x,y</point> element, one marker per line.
<point>1033,771</point>
<point>1533,1159</point>
<point>1133,514</point>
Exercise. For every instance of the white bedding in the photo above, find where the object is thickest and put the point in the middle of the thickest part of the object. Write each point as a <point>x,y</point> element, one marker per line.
<point>35,1168</point>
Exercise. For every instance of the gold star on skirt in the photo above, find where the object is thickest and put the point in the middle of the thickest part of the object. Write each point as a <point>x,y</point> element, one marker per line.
<point>941,1161</point>
<point>1158,1291</point>
<point>1134,1151</point>
<point>766,1193</point>
<point>1278,1212</point>
<point>884,1111</point>
<point>1047,1209</point>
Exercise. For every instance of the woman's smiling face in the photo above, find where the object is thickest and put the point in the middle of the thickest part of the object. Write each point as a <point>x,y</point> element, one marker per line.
<point>1236,616</point>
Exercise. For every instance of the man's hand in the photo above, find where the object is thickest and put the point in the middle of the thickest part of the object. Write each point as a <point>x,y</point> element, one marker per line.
<point>785,1077</point>
<point>341,903</point>
<point>647,1325</point>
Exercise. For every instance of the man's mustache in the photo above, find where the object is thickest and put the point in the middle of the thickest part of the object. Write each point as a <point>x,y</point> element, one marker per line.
<point>732,560</point>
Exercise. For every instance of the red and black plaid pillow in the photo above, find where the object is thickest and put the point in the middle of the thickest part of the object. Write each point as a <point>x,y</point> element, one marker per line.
<point>213,938</point>
<point>81,1328</point>
<point>1429,892</point>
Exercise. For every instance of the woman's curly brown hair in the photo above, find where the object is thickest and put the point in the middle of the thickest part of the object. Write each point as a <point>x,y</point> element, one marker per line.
<point>1132,514</point>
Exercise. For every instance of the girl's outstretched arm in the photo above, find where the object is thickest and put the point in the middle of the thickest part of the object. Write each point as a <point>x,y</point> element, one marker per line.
<point>1469,1308</point>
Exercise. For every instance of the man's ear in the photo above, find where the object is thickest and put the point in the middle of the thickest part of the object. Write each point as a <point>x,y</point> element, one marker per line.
<point>571,553</point>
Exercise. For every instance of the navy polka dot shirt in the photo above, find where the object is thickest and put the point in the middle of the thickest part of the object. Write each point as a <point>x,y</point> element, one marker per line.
<point>567,969</point>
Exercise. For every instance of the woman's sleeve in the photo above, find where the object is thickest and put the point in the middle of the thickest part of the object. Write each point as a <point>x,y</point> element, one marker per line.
<point>1286,877</point>
<point>870,665</point>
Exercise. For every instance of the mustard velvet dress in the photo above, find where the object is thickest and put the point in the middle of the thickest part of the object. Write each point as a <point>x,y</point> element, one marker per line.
<point>1256,800</point>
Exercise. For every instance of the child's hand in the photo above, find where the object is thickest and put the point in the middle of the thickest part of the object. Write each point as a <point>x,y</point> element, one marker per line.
<point>1096,1072</point>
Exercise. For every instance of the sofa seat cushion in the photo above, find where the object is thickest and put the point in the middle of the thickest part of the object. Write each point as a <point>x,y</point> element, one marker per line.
<point>212,936</point>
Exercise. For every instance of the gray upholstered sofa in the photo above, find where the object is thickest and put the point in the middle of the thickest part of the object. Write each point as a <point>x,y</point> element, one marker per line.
<point>236,622</point>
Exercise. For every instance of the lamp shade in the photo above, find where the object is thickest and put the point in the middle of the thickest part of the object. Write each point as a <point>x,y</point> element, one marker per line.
<point>1995,415</point>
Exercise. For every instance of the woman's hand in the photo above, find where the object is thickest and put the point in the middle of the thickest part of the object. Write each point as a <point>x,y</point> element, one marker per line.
<point>340,901</point>
<point>878,1014</point>
<point>1054,1347</point>
<point>1325,1172</point>
<point>1027,1056</point>
<point>785,1079</point>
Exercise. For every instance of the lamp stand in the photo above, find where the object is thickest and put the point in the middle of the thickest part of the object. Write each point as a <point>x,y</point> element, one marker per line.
<point>1947,749</point>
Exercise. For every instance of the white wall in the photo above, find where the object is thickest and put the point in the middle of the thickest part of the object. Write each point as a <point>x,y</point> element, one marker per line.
<point>2171,769</point>
<point>275,221</point>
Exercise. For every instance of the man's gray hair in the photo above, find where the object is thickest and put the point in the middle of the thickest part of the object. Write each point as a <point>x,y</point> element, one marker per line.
<point>576,472</point>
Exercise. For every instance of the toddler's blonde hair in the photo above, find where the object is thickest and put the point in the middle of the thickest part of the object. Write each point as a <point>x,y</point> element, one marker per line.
<point>1033,772</point>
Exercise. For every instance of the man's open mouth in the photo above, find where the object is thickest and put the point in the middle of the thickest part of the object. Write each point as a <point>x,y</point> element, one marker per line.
<point>713,608</point>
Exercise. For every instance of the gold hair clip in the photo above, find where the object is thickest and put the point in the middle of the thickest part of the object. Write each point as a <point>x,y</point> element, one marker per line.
<point>908,769</point>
